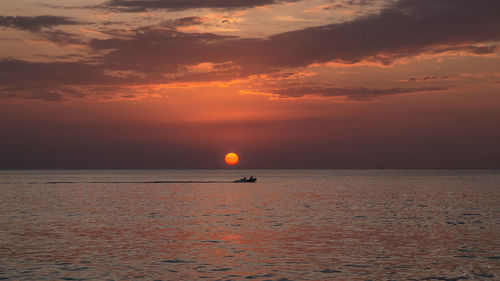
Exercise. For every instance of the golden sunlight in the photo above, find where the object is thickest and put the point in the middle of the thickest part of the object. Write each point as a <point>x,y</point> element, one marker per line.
<point>232,158</point>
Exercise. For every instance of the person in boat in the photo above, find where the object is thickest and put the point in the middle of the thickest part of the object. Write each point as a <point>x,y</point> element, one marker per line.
<point>251,179</point>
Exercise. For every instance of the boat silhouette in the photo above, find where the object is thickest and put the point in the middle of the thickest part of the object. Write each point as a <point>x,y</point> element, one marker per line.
<point>251,179</point>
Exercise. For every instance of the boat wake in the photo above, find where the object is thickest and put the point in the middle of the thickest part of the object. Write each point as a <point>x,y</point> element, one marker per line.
<point>114,182</point>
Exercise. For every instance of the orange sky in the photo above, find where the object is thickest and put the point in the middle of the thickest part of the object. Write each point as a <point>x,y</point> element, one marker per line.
<point>285,84</point>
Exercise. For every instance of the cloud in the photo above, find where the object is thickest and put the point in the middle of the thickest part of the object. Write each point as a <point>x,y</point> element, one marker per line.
<point>175,5</point>
<point>50,94</point>
<point>163,55</point>
<point>162,50</point>
<point>476,50</point>
<point>342,4</point>
<point>358,94</point>
<point>406,28</point>
<point>426,78</point>
<point>18,72</point>
<point>186,21</point>
<point>62,38</point>
<point>35,23</point>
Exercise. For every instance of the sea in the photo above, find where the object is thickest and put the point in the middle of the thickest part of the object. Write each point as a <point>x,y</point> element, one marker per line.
<point>289,225</point>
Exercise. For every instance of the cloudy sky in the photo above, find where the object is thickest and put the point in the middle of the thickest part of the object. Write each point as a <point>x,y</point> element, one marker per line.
<point>283,83</point>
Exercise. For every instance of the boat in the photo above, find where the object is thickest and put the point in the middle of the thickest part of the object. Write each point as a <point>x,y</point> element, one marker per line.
<point>251,179</point>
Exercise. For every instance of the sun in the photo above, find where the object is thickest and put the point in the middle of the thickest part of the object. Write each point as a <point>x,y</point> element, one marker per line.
<point>232,158</point>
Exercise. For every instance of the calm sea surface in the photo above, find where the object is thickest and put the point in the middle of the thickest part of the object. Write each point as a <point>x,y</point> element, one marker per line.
<point>290,225</point>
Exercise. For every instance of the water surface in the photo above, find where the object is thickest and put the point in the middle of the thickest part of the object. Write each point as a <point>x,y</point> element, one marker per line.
<point>290,225</point>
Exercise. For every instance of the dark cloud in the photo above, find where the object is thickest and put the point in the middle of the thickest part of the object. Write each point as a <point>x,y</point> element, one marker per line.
<point>62,38</point>
<point>59,81</point>
<point>476,50</point>
<point>45,95</point>
<point>406,28</point>
<point>62,57</point>
<point>358,93</point>
<point>346,4</point>
<point>49,94</point>
<point>187,21</point>
<point>426,78</point>
<point>143,5</point>
<point>34,23</point>
<point>17,72</point>
<point>163,51</point>
<point>182,22</point>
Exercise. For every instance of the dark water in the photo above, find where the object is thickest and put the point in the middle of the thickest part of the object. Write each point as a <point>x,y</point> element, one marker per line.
<point>290,225</point>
